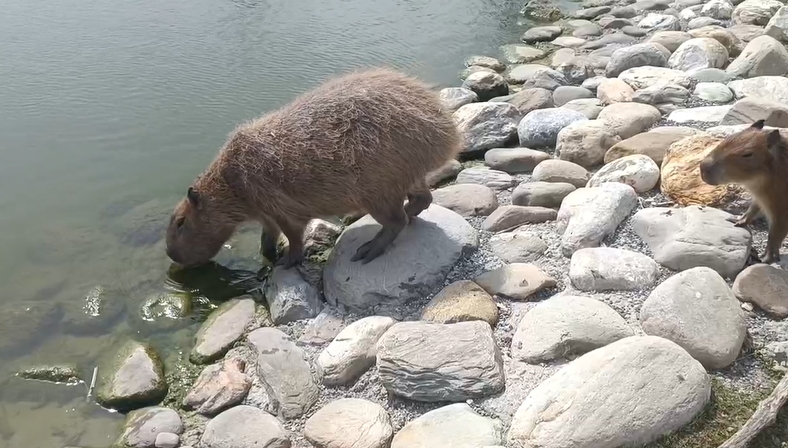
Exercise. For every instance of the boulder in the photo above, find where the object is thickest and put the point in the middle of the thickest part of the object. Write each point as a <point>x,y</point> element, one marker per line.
<point>486,85</point>
<point>452,426</point>
<point>706,114</point>
<point>586,142</point>
<point>518,246</point>
<point>778,25</point>
<point>514,160</point>
<point>699,53</point>
<point>560,171</point>
<point>224,326</point>
<point>565,94</point>
<point>536,76</point>
<point>773,88</point>
<point>660,22</point>
<point>611,269</point>
<point>466,199</point>
<point>517,281</point>
<point>642,77</point>
<point>353,351</point>
<point>638,55</point>
<point>132,378</point>
<point>527,100</point>
<point>485,61</point>
<point>755,12</point>
<point>219,387</point>
<point>765,286</point>
<point>143,426</point>
<point>614,91</point>
<point>751,109</point>
<point>290,297</point>
<point>541,194</point>
<point>486,125</point>
<point>763,56</point>
<point>590,107</point>
<point>481,175</point>
<point>714,92</point>
<point>629,119</point>
<point>453,98</point>
<point>671,40</point>
<point>540,128</point>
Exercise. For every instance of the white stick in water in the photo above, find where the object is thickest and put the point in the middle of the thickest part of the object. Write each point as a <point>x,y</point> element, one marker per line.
<point>92,382</point>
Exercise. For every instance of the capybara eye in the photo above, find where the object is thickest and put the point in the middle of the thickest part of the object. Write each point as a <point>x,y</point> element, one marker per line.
<point>179,223</point>
<point>747,155</point>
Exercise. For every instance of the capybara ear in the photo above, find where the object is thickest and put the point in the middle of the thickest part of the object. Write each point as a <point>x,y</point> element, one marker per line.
<point>193,196</point>
<point>775,142</point>
<point>758,124</point>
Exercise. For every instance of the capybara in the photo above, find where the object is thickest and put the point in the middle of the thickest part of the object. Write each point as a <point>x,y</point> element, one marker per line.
<point>361,142</point>
<point>758,160</point>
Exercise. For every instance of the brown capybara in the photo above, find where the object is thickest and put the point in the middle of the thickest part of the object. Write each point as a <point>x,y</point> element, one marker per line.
<point>758,160</point>
<point>361,142</point>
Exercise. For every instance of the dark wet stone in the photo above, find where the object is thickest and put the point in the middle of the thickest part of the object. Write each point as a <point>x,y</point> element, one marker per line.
<point>52,374</point>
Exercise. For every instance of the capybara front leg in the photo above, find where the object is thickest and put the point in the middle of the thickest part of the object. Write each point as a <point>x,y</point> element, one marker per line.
<point>419,198</point>
<point>748,217</point>
<point>393,221</point>
<point>294,231</point>
<point>777,232</point>
<point>269,240</point>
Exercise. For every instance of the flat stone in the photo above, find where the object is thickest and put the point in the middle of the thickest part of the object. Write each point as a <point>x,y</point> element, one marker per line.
<point>642,77</point>
<point>706,114</point>
<point>566,326</point>
<point>561,171</point>
<point>508,217</point>
<point>700,22</point>
<point>540,128</point>
<point>638,55</point>
<point>713,91</point>
<point>486,125</point>
<point>324,327</point>
<point>611,269</point>
<point>654,143</point>
<point>541,34</point>
<point>452,426</point>
<point>755,12</point>
<point>774,88</point>
<point>638,171</point>
<point>662,95</point>
<point>609,39</point>
<point>694,236</point>
<point>223,327</point>
<point>749,110</point>
<point>536,76</point>
<point>431,362</point>
<point>350,423</point>
<point>517,281</point>
<point>614,91</point>
<point>283,368</point>
<point>478,175</point>
<point>629,119</point>
<point>485,61</point>
<point>449,170</point>
<point>747,32</point>
<point>464,74</point>
<point>413,266</point>
<point>763,56</point>
<point>671,40</point>
<point>514,160</point>
<point>143,426</point>
<point>219,387</point>
<point>244,427</point>
<point>541,194</point>
<point>565,94</point>
<point>567,42</point>
<point>698,311</point>
<point>353,351</point>
<point>461,301</point>
<point>466,199</point>
<point>730,41</point>
<point>132,378</point>
<point>590,107</point>
<point>518,246</point>
<point>628,393</point>
<point>486,85</point>
<point>765,286</point>
<point>528,99</point>
<point>586,142</point>
<point>521,54</point>
<point>453,98</point>
<point>290,297</point>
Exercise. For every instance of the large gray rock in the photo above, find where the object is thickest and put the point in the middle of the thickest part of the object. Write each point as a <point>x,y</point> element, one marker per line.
<point>132,378</point>
<point>614,91</point>
<point>283,368</point>
<point>527,100</point>
<point>663,96</point>
<point>642,77</point>
<point>353,351</point>
<point>244,427</point>
<point>540,128</point>
<point>144,425</point>
<point>485,61</point>
<point>541,34</point>
<point>565,94</point>
<point>773,88</point>
<point>694,236</point>
<point>562,171</point>
<point>413,266</point>
<point>452,426</point>
<point>514,160</point>
<point>566,326</point>
<point>699,53</point>
<point>482,175</point>
<point>611,269</point>
<point>486,85</point>
<point>697,310</point>
<point>431,362</point>
<point>629,119</point>
<point>638,55</point>
<point>486,125</point>
<point>350,423</point>
<point>588,215</point>
<point>751,109</point>
<point>224,326</point>
<point>541,194</point>
<point>628,393</point>
<point>517,281</point>
<point>466,199</point>
<point>519,246</point>
<point>765,286</point>
<point>763,56</point>
<point>590,107</point>
<point>638,171</point>
<point>219,387</point>
<point>755,12</point>
<point>536,75</point>
<point>290,297</point>
<point>454,98</point>
<point>778,25</point>
<point>586,142</point>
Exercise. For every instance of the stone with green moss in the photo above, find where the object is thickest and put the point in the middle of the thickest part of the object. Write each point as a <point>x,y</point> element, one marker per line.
<point>132,378</point>
<point>224,326</point>
<point>53,374</point>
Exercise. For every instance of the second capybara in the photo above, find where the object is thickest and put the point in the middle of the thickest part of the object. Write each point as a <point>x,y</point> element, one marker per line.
<point>758,160</point>
<point>363,141</point>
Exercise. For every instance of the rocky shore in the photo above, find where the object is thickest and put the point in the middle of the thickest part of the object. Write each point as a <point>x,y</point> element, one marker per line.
<point>574,284</point>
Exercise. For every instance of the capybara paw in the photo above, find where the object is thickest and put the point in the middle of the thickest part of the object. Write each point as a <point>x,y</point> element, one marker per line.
<point>369,251</point>
<point>290,260</point>
<point>770,258</point>
<point>738,221</point>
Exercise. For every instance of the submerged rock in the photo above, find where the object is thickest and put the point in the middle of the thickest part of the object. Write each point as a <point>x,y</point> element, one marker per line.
<point>24,324</point>
<point>132,378</point>
<point>167,310</point>
<point>96,314</point>
<point>68,375</point>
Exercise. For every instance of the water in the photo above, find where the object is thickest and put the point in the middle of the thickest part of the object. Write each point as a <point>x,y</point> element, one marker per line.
<point>108,110</point>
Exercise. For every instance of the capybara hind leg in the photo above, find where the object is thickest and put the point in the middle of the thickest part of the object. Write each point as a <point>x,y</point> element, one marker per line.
<point>269,240</point>
<point>294,231</point>
<point>393,221</point>
<point>777,232</point>
<point>419,198</point>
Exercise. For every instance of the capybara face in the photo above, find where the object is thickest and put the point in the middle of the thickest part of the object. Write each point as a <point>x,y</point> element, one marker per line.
<point>743,158</point>
<point>194,236</point>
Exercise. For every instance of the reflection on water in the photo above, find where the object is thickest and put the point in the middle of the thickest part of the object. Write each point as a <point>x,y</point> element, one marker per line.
<point>109,110</point>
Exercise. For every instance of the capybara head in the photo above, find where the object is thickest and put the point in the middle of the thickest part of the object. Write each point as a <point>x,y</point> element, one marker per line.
<point>197,229</point>
<point>746,157</point>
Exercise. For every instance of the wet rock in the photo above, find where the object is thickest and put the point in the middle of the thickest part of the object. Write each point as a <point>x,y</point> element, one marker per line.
<point>466,199</point>
<point>453,98</point>
<point>629,119</point>
<point>224,326</point>
<point>765,286</point>
<point>611,269</point>
<point>517,281</point>
<point>350,423</point>
<point>697,310</point>
<point>541,34</point>
<point>627,393</point>
<point>773,88</point>
<point>694,236</point>
<point>518,246</point>
<point>778,25</point>
<point>714,92</point>
<point>244,427</point>
<point>353,351</point>
<point>541,194</point>
<point>521,54</point>
<point>479,175</point>
<point>447,171</point>
<point>536,76</point>
<point>290,297</point>
<point>320,235</point>
<point>528,99</point>
<point>638,55</point>
<point>749,110</point>
<point>143,426</point>
<point>514,160</point>
<point>424,253</point>
<point>282,367</point>
<point>324,327</point>
<point>219,387</point>
<point>680,178</point>
<point>424,361</point>
<point>486,85</point>
<point>68,375</point>
<point>166,310</point>
<point>485,61</point>
<point>763,56</point>
<point>131,379</point>
<point>707,114</point>
<point>99,311</point>
<point>588,215</point>
<point>614,91</point>
<point>452,426</point>
<point>486,125</point>
<point>699,53</point>
<point>671,40</point>
<point>755,12</point>
<point>642,77</point>
<point>654,143</point>
<point>565,94</point>
<point>660,22</point>
<point>586,142</point>
<point>565,326</point>
<point>540,128</point>
<point>638,171</point>
<point>508,217</point>
<point>461,301</point>
<point>560,171</point>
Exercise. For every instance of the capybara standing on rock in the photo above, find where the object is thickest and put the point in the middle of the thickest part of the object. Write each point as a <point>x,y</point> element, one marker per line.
<point>758,160</point>
<point>361,142</point>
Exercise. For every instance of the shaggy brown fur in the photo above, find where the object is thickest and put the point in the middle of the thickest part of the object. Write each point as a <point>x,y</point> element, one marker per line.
<point>360,142</point>
<point>758,160</point>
